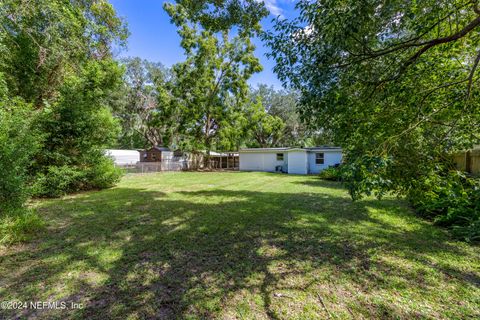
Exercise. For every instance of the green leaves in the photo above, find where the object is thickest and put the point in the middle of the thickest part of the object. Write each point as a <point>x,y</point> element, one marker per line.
<point>210,87</point>
<point>46,40</point>
<point>143,105</point>
<point>389,79</point>
<point>220,15</point>
<point>18,142</point>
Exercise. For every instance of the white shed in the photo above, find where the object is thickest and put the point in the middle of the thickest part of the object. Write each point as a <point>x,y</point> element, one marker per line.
<point>290,160</point>
<point>123,157</point>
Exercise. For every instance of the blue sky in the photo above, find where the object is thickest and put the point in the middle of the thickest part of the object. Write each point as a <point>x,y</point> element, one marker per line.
<point>152,37</point>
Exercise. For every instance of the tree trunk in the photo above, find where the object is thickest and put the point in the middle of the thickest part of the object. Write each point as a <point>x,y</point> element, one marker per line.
<point>207,163</point>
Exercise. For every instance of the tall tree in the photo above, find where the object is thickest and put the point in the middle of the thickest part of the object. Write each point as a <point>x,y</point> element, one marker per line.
<point>268,130</point>
<point>396,82</point>
<point>143,83</point>
<point>214,73</point>
<point>281,120</point>
<point>78,128</point>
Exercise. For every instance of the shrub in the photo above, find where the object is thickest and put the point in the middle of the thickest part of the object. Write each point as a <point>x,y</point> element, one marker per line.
<point>331,173</point>
<point>59,181</point>
<point>367,175</point>
<point>103,174</point>
<point>18,143</point>
<point>451,200</point>
<point>79,126</point>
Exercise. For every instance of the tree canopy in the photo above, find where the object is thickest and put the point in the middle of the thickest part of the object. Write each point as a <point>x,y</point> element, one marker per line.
<point>396,82</point>
<point>136,104</point>
<point>222,15</point>
<point>45,40</point>
<point>211,84</point>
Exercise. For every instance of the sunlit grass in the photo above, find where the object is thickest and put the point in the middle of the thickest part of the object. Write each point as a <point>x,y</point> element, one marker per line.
<point>239,246</point>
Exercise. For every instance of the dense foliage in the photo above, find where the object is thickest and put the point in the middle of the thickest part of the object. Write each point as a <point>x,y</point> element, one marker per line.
<point>17,145</point>
<point>72,156</point>
<point>44,41</point>
<point>210,87</point>
<point>277,122</point>
<point>138,104</point>
<point>394,82</point>
<point>58,80</point>
<point>223,15</point>
<point>451,200</point>
<point>18,142</point>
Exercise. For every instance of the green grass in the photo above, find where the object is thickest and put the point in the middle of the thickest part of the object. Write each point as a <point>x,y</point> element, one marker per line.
<point>239,246</point>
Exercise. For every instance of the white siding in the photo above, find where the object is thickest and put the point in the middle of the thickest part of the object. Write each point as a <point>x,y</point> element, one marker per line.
<point>123,157</point>
<point>331,158</point>
<point>261,161</point>
<point>297,162</point>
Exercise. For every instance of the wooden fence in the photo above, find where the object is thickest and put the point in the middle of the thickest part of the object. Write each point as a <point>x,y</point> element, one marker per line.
<point>468,161</point>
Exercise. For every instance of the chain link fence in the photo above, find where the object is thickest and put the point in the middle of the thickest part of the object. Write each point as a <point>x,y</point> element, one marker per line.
<point>183,165</point>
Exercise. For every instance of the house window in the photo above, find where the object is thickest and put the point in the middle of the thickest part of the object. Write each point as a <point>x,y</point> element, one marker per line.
<point>279,156</point>
<point>319,158</point>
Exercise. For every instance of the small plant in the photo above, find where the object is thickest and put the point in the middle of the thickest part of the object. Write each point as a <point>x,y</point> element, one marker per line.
<point>19,226</point>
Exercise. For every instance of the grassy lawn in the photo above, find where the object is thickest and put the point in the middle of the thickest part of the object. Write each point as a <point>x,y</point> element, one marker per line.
<point>239,246</point>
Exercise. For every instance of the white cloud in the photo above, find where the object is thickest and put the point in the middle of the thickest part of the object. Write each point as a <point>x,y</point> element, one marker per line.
<point>273,7</point>
<point>304,34</point>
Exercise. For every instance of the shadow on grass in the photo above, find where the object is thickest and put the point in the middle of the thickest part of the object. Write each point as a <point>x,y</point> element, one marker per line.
<point>189,253</point>
<point>317,182</point>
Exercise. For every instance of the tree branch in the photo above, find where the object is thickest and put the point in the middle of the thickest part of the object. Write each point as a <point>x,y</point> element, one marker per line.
<point>472,73</point>
<point>425,46</point>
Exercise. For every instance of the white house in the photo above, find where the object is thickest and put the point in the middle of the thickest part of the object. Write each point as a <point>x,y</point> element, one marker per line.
<point>290,160</point>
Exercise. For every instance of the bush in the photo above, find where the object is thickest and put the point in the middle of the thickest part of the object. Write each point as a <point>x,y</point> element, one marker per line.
<point>59,181</point>
<point>451,200</point>
<point>18,143</point>
<point>331,173</point>
<point>79,126</point>
<point>104,174</point>
<point>367,175</point>
<point>19,225</point>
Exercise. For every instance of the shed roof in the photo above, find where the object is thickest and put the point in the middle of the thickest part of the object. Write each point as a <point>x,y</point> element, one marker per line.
<point>159,148</point>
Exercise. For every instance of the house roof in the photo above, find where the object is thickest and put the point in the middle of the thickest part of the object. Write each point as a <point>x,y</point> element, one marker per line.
<point>264,149</point>
<point>324,148</point>
<point>287,149</point>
